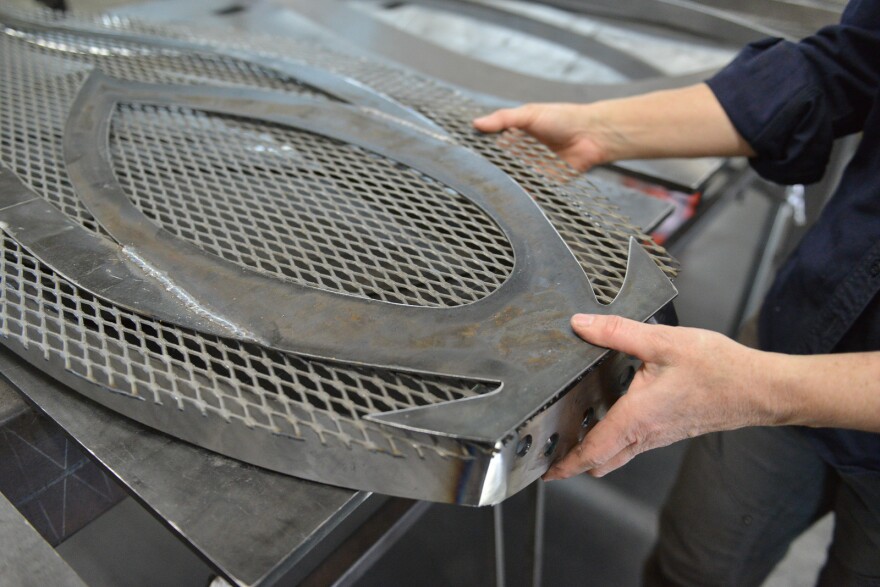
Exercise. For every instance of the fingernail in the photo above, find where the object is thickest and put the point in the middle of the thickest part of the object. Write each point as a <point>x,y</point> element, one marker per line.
<point>582,320</point>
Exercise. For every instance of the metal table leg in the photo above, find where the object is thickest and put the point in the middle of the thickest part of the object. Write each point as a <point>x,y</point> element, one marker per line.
<point>519,538</point>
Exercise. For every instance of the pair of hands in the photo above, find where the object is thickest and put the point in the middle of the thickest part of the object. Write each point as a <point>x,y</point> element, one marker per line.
<point>692,381</point>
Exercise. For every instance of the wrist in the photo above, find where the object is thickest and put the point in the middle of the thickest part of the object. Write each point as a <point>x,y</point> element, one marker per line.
<point>776,375</point>
<point>604,123</point>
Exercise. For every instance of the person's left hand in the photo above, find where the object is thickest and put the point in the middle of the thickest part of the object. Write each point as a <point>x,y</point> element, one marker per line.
<point>692,382</point>
<point>577,133</point>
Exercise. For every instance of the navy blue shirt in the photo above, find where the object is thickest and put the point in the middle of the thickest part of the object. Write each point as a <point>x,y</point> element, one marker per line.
<point>790,101</point>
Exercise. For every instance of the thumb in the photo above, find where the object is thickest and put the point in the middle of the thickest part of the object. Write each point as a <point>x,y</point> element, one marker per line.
<point>503,119</point>
<point>646,342</point>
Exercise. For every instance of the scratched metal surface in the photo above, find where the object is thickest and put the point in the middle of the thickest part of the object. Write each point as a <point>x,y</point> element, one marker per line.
<point>222,184</point>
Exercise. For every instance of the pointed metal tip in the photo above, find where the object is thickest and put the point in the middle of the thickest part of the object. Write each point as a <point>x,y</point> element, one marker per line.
<point>469,419</point>
<point>644,283</point>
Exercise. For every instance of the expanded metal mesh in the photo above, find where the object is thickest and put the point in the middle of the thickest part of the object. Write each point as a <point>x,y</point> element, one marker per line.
<point>307,208</point>
<point>260,195</point>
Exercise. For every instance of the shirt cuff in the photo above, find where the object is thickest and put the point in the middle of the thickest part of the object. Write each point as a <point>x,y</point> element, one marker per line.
<point>770,95</point>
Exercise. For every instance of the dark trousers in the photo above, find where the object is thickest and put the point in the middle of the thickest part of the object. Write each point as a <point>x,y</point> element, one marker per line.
<point>743,496</point>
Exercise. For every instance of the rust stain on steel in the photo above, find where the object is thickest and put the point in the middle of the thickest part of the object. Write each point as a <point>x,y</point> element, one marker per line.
<point>441,339</point>
<point>541,340</point>
<point>507,314</point>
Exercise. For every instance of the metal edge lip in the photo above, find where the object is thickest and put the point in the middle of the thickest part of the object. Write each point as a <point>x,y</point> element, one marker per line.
<point>488,477</point>
<point>560,426</point>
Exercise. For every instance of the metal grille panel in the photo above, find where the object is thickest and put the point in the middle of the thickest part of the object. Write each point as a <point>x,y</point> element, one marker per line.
<point>291,204</point>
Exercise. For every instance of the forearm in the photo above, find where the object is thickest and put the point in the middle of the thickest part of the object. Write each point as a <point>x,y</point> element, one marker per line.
<point>686,122</point>
<point>836,391</point>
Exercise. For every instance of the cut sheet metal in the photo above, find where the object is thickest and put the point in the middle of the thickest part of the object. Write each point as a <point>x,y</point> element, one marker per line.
<point>327,290</point>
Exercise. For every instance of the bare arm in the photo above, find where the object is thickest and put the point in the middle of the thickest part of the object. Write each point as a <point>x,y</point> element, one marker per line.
<point>687,122</point>
<point>695,381</point>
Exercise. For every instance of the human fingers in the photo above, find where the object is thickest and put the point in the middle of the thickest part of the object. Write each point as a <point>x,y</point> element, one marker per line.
<point>606,440</point>
<point>650,343</point>
<point>505,118</point>
<point>620,459</point>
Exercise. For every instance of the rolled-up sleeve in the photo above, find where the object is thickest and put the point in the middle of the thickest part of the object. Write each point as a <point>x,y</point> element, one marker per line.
<point>790,100</point>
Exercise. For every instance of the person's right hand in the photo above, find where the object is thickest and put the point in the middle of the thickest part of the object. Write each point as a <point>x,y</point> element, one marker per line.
<point>571,131</point>
<point>691,382</point>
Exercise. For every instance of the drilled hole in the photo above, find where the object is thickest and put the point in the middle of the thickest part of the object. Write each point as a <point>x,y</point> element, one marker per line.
<point>550,447</point>
<point>523,446</point>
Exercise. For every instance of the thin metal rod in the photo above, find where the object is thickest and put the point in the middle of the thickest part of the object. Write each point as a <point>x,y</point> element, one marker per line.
<point>538,550</point>
<point>498,515</point>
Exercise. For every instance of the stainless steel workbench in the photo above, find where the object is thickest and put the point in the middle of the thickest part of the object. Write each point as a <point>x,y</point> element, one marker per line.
<point>253,526</point>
